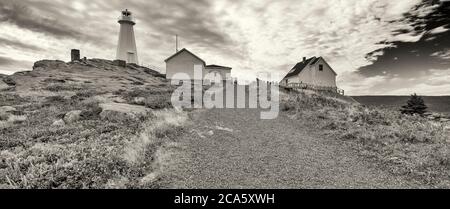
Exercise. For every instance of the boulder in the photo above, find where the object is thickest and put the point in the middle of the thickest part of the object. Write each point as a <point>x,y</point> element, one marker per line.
<point>72,116</point>
<point>59,123</point>
<point>3,86</point>
<point>444,120</point>
<point>119,100</point>
<point>139,100</point>
<point>119,111</point>
<point>9,81</point>
<point>6,109</point>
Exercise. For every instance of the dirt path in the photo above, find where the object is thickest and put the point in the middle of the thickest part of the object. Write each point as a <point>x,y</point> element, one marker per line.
<point>233,148</point>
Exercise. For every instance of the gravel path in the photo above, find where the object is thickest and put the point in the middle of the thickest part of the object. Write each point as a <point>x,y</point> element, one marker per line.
<point>233,148</point>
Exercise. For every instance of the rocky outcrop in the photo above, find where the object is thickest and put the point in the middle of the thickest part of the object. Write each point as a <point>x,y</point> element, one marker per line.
<point>59,123</point>
<point>72,116</point>
<point>9,81</point>
<point>7,109</point>
<point>49,64</point>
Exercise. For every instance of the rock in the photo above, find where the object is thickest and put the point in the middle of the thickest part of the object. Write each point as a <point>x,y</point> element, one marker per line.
<point>119,111</point>
<point>3,86</point>
<point>150,178</point>
<point>59,123</point>
<point>9,81</point>
<point>139,100</point>
<point>16,119</point>
<point>444,120</point>
<point>119,100</point>
<point>72,116</point>
<point>6,109</point>
<point>4,116</point>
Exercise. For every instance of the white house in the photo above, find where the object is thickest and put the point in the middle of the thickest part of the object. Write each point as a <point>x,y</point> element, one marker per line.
<point>314,71</point>
<point>184,61</point>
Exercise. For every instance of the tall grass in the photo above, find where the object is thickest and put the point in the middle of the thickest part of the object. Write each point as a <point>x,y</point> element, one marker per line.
<point>406,145</point>
<point>89,153</point>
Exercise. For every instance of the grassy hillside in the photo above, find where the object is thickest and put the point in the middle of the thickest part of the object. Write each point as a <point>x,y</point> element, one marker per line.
<point>415,147</point>
<point>440,104</point>
<point>84,125</point>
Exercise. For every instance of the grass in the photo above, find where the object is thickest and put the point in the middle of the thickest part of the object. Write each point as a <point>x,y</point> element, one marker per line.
<point>154,97</point>
<point>90,153</point>
<point>404,145</point>
<point>58,87</point>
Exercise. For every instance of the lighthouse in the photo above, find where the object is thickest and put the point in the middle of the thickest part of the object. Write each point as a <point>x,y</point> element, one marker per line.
<point>126,48</point>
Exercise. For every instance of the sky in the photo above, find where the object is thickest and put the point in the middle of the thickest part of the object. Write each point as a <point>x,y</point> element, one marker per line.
<point>377,47</point>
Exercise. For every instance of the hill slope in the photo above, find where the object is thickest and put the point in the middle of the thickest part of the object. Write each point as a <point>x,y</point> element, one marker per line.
<point>87,124</point>
<point>410,146</point>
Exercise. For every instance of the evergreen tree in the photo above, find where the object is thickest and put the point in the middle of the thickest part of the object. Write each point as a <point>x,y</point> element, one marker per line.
<point>415,105</point>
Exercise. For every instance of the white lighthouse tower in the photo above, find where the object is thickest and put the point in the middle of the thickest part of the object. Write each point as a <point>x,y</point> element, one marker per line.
<point>126,48</point>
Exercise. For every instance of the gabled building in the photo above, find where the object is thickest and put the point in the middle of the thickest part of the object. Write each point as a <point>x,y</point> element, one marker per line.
<point>314,71</point>
<point>184,61</point>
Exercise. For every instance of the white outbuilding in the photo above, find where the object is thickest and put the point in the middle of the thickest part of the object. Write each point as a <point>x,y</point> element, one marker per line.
<point>185,61</point>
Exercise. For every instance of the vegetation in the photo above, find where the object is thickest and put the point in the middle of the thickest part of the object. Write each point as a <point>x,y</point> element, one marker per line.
<point>407,145</point>
<point>42,147</point>
<point>154,97</point>
<point>415,105</point>
<point>90,153</point>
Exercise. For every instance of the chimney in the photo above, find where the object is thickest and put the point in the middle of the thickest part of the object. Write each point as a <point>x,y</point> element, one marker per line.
<point>304,59</point>
<point>75,54</point>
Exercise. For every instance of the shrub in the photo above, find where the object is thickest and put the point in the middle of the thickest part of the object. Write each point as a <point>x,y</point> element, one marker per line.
<point>415,105</point>
<point>57,87</point>
<point>92,111</point>
<point>158,102</point>
<point>55,99</point>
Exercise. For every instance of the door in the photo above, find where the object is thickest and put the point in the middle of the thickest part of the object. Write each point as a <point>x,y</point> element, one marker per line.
<point>130,58</point>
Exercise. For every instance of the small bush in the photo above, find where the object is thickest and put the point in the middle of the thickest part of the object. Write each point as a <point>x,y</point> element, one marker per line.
<point>158,102</point>
<point>91,112</point>
<point>57,87</point>
<point>55,99</point>
<point>415,105</point>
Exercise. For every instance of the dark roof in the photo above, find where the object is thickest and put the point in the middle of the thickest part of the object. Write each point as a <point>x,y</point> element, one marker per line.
<point>218,66</point>
<point>298,68</point>
<point>185,50</point>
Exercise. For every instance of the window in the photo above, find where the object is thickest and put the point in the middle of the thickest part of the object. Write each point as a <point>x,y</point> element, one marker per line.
<point>287,81</point>
<point>320,67</point>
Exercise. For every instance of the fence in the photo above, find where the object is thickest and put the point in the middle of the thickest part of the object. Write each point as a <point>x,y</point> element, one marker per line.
<point>316,88</point>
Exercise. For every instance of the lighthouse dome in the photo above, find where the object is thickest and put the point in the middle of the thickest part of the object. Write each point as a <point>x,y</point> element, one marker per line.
<point>127,17</point>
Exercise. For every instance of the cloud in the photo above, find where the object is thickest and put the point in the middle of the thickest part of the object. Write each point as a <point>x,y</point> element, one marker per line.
<point>21,15</point>
<point>433,82</point>
<point>9,66</point>
<point>442,54</point>
<point>6,61</point>
<point>438,30</point>
<point>366,42</point>
<point>427,49</point>
<point>17,44</point>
